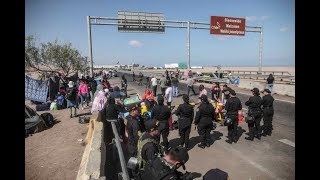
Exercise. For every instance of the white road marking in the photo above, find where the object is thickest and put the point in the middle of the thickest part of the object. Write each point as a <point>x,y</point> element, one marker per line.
<point>286,141</point>
<point>258,166</point>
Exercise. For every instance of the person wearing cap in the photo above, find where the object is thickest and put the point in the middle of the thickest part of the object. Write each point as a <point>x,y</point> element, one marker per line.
<point>135,127</point>
<point>165,168</point>
<point>225,93</point>
<point>216,174</point>
<point>254,111</point>
<point>162,113</point>
<point>233,105</point>
<point>148,144</point>
<point>204,120</point>
<point>268,111</point>
<point>185,112</point>
<point>72,98</point>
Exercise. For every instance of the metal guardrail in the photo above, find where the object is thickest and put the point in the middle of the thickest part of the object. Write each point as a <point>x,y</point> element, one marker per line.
<point>125,174</point>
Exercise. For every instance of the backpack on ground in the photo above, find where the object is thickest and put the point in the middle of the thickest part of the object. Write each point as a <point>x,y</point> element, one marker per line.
<point>48,119</point>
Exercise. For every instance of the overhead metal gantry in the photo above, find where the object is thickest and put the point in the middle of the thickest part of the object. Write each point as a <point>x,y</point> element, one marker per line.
<point>157,24</point>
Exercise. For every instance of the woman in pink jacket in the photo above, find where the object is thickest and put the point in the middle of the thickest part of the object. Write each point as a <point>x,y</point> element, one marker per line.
<point>83,93</point>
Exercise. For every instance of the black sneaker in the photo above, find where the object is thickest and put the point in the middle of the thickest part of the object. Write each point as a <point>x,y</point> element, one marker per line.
<point>201,146</point>
<point>248,138</point>
<point>229,141</point>
<point>70,115</point>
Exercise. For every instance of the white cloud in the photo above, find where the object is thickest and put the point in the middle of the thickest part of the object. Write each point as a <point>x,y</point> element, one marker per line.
<point>222,37</point>
<point>264,18</point>
<point>284,29</point>
<point>251,18</point>
<point>135,43</point>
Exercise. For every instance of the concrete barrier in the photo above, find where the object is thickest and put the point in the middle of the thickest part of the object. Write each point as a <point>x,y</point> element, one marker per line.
<point>282,89</point>
<point>92,163</point>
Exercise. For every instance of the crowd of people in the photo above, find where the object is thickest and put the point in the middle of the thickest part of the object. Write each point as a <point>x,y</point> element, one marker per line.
<point>142,133</point>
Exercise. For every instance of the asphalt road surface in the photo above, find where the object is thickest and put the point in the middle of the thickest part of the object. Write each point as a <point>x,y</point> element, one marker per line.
<point>272,157</point>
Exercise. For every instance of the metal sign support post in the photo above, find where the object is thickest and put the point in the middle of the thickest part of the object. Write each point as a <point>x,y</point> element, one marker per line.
<point>90,45</point>
<point>260,51</point>
<point>188,46</point>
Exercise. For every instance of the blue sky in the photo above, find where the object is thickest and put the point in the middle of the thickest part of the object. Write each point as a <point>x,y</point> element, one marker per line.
<point>65,20</point>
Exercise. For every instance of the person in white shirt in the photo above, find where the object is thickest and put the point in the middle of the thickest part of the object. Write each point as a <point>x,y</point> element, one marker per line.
<point>154,84</point>
<point>169,94</point>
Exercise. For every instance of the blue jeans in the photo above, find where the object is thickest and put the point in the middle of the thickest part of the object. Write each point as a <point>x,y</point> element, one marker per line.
<point>270,86</point>
<point>84,99</point>
<point>91,96</point>
<point>175,91</point>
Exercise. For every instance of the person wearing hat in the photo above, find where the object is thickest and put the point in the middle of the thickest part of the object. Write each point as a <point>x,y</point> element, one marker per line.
<point>216,174</point>
<point>135,127</point>
<point>185,112</point>
<point>165,168</point>
<point>162,113</point>
<point>255,112</point>
<point>148,144</point>
<point>268,111</point>
<point>204,120</point>
<point>233,105</point>
<point>72,98</point>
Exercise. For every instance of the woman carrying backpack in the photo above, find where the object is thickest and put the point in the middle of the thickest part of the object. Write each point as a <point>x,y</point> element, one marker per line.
<point>72,98</point>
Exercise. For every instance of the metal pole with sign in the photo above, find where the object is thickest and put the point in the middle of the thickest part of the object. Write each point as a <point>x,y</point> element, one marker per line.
<point>188,46</point>
<point>90,45</point>
<point>260,51</point>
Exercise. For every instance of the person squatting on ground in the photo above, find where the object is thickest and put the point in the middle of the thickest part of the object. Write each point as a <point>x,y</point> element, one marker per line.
<point>204,120</point>
<point>268,111</point>
<point>72,98</point>
<point>162,113</point>
<point>83,93</point>
<point>233,105</point>
<point>135,127</point>
<point>165,168</point>
<point>148,144</point>
<point>185,112</point>
<point>255,112</point>
<point>154,84</point>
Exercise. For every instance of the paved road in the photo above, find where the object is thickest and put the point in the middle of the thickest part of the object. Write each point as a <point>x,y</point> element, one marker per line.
<point>269,158</point>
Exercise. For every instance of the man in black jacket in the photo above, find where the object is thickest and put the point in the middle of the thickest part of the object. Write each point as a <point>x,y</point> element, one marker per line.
<point>204,120</point>
<point>162,113</point>
<point>135,127</point>
<point>148,144</point>
<point>255,112</point>
<point>233,105</point>
<point>185,112</point>
<point>268,111</point>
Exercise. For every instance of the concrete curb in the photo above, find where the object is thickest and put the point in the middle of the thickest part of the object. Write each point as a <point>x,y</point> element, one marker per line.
<point>90,167</point>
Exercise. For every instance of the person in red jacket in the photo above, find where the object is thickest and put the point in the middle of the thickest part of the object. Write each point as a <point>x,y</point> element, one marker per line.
<point>83,92</point>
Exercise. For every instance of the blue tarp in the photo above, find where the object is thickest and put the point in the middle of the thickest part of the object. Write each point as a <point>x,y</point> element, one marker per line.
<point>36,90</point>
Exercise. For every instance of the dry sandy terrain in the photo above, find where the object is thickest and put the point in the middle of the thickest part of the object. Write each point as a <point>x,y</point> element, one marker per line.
<point>56,153</point>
